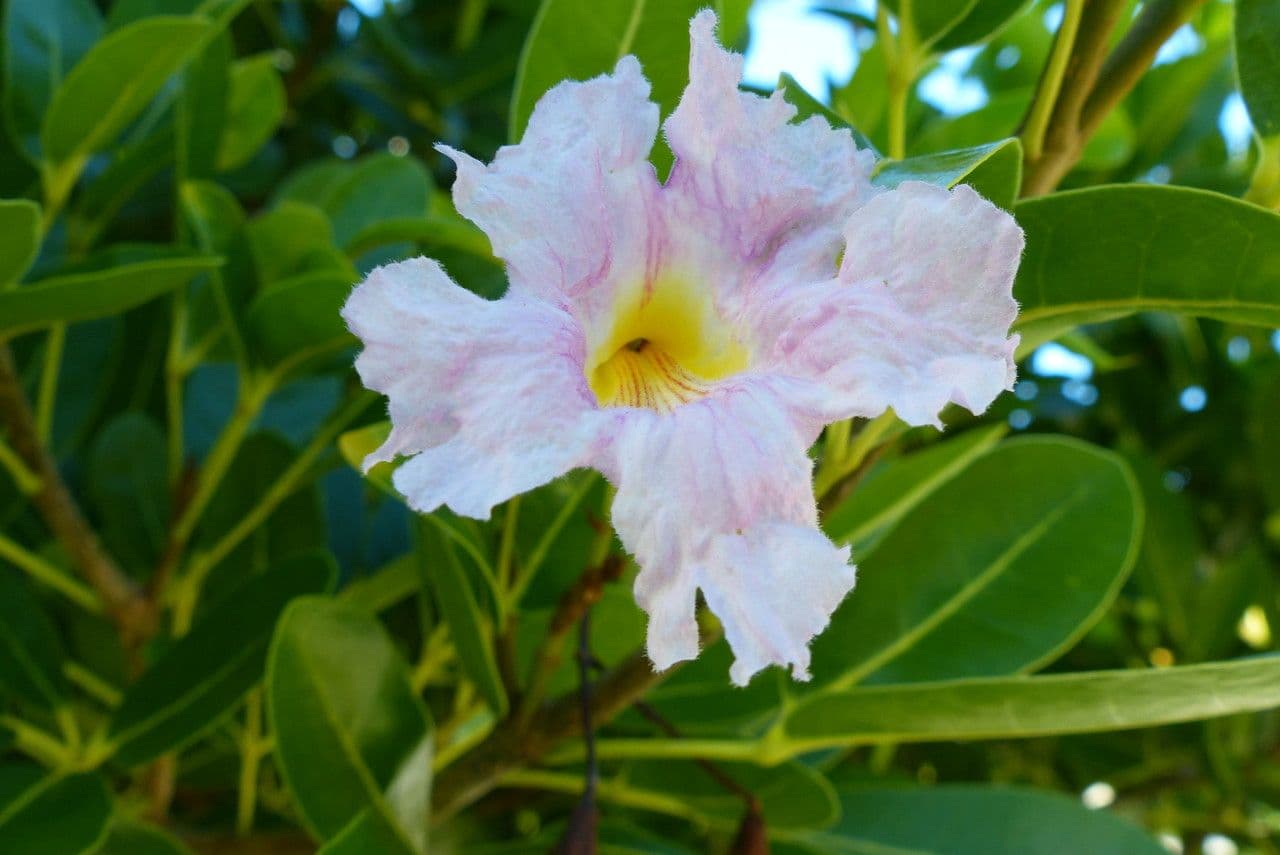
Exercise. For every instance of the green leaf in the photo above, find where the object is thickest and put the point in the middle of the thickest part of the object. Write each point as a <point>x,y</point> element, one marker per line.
<point>432,231</point>
<point>43,815</point>
<point>994,170</point>
<point>380,187</point>
<point>200,114</point>
<point>932,19</point>
<point>300,314</point>
<point>984,19</point>
<point>81,296</point>
<point>128,485</point>
<point>888,492</point>
<point>205,674</point>
<point>579,39</point>
<point>291,239</point>
<point>255,108</point>
<point>1257,32</point>
<point>114,82</point>
<point>43,40</point>
<point>467,626</point>
<point>30,650</point>
<point>1016,707</point>
<point>369,832</point>
<point>351,734</point>
<point>20,227</point>
<point>132,838</point>
<point>1060,527</point>
<point>1106,252</point>
<point>975,820</point>
<point>806,105</point>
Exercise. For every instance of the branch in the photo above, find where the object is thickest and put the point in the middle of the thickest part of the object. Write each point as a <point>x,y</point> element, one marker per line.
<point>1062,140</point>
<point>1133,56</point>
<point>478,771</point>
<point>1095,83</point>
<point>125,604</point>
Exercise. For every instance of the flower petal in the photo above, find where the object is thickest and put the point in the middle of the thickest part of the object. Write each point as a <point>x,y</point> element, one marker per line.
<point>919,315</point>
<point>569,208</point>
<point>489,395</point>
<point>717,496</point>
<point>764,191</point>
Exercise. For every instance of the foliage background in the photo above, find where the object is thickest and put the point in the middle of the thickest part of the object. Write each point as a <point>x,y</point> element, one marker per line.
<point>216,636</point>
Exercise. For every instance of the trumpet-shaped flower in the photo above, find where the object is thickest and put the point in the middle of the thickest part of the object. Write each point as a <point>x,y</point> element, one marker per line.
<point>689,339</point>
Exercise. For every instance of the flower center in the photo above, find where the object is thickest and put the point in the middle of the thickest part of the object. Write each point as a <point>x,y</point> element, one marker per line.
<point>664,346</point>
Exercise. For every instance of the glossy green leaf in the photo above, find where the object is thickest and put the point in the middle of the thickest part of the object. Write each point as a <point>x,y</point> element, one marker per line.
<point>1106,252</point>
<point>43,40</point>
<point>132,838</point>
<point>983,20</point>
<point>1060,525</point>
<point>467,625</point>
<point>292,239</point>
<point>369,832</point>
<point>116,79</point>
<point>300,314</point>
<point>932,19</point>
<point>255,108</point>
<point>351,734</point>
<point>432,231</point>
<point>31,652</point>
<point>1257,36</point>
<point>384,587</point>
<point>45,814</point>
<point>81,296</point>
<point>974,820</point>
<point>579,39</point>
<point>888,492</point>
<point>201,111</point>
<point>1014,707</point>
<point>377,188</point>
<point>20,227</point>
<point>806,105</point>
<point>204,676</point>
<point>994,170</point>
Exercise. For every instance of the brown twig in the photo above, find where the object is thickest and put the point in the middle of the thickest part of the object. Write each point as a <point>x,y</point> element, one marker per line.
<point>478,771</point>
<point>123,601</point>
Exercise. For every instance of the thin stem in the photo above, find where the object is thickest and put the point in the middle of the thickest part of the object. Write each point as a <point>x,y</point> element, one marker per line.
<point>855,451</point>
<point>592,772</point>
<point>281,489</point>
<point>1036,123</point>
<point>900,59</point>
<point>250,757</point>
<point>47,394</point>
<point>92,685</point>
<point>173,378</point>
<point>506,550</point>
<point>36,743</point>
<point>27,481</point>
<point>50,576</point>
<point>542,548</point>
<point>616,792</point>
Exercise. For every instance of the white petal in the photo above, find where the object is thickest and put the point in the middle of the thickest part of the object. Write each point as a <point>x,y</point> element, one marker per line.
<point>717,496</point>
<point>919,315</point>
<point>768,194</point>
<point>489,395</point>
<point>569,208</point>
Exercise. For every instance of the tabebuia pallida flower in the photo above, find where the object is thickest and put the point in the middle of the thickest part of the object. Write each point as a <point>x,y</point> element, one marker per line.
<point>689,340</point>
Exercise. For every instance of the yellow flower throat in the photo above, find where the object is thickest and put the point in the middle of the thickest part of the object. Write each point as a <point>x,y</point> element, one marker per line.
<point>665,346</point>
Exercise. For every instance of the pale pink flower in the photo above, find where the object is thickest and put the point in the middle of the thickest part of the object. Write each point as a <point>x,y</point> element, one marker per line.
<point>688,340</point>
